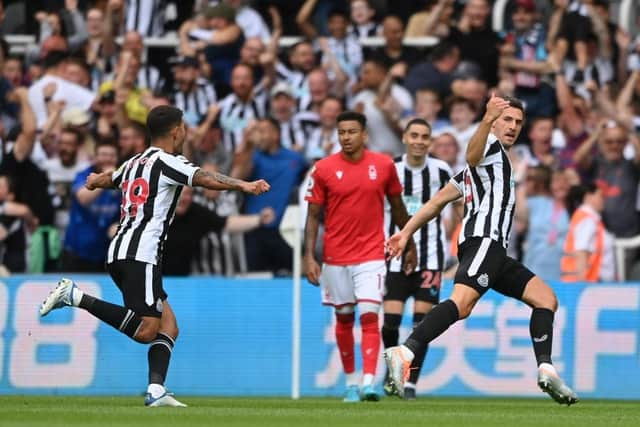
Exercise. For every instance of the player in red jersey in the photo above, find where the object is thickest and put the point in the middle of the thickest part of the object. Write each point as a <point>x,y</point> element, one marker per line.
<point>352,185</point>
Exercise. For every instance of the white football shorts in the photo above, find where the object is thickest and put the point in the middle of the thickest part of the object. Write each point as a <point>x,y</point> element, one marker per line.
<point>350,284</point>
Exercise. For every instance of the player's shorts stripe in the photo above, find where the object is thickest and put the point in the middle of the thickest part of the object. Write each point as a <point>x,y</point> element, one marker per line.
<point>148,284</point>
<point>480,256</point>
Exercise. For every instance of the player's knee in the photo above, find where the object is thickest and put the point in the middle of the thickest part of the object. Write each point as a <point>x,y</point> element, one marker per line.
<point>345,317</point>
<point>549,301</point>
<point>147,331</point>
<point>145,336</point>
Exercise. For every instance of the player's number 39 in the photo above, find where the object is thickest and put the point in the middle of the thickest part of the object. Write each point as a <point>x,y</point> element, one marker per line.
<point>136,192</point>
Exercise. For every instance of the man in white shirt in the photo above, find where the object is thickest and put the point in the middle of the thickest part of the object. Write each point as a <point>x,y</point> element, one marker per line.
<point>383,102</point>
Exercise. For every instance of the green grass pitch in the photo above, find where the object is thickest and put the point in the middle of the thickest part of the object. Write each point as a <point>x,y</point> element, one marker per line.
<point>66,411</point>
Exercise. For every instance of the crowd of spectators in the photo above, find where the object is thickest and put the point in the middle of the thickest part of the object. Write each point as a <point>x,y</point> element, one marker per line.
<point>76,101</point>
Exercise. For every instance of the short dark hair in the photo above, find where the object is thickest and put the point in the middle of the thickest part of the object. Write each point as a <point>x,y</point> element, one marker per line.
<point>576,195</point>
<point>514,102</point>
<point>333,98</point>
<point>275,123</point>
<point>457,99</point>
<point>346,116</point>
<point>442,50</point>
<point>161,120</point>
<point>54,58</point>
<point>378,63</point>
<point>338,11</point>
<point>107,141</point>
<point>417,121</point>
<point>137,127</point>
<point>77,133</point>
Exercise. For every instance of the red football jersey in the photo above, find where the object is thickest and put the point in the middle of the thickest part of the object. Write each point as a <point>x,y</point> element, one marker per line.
<point>353,195</point>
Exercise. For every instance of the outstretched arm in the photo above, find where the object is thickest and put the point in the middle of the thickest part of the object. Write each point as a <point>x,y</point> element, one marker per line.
<point>100,180</point>
<point>218,181</point>
<point>400,218</point>
<point>428,211</point>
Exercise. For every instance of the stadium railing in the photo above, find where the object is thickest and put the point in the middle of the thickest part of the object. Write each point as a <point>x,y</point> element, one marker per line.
<point>19,43</point>
<point>621,245</point>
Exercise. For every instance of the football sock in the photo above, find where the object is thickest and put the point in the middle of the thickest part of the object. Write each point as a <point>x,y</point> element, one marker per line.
<point>159,355</point>
<point>370,342</point>
<point>390,329</point>
<point>541,330</point>
<point>121,318</point>
<point>419,355</point>
<point>345,341</point>
<point>367,379</point>
<point>434,323</point>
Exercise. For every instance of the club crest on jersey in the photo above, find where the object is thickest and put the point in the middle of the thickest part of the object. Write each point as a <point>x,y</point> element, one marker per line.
<point>339,174</point>
<point>483,280</point>
<point>373,173</point>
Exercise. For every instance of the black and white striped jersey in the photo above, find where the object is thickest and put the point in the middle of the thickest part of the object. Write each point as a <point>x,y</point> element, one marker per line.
<point>296,131</point>
<point>235,114</point>
<point>149,78</point>
<point>151,183</point>
<point>489,196</point>
<point>220,252</point>
<point>419,185</point>
<point>197,100</point>
<point>348,53</point>
<point>298,81</point>
<point>370,29</point>
<point>145,16</point>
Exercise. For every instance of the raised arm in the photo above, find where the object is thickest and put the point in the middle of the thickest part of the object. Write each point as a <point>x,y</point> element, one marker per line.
<point>428,211</point>
<point>582,157</point>
<point>303,19</point>
<point>475,149</point>
<point>26,138</point>
<point>218,181</point>
<point>310,236</point>
<point>113,17</point>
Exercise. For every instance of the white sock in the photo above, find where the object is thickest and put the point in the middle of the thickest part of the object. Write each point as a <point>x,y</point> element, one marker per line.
<point>352,379</point>
<point>76,297</point>
<point>406,353</point>
<point>367,379</point>
<point>156,390</point>
<point>548,367</point>
<point>409,385</point>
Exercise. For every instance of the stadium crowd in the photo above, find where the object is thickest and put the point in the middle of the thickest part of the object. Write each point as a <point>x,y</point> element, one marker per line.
<point>77,100</point>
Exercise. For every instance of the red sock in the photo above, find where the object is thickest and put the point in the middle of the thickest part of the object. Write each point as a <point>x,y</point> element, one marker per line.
<point>344,338</point>
<point>370,342</point>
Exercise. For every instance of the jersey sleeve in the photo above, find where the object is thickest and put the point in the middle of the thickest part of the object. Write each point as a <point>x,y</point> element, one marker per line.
<point>458,181</point>
<point>177,170</point>
<point>117,175</point>
<point>394,188</point>
<point>492,151</point>
<point>317,189</point>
